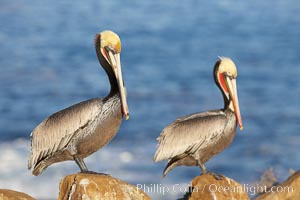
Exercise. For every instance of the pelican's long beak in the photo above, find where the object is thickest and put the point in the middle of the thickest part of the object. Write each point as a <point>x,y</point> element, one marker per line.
<point>114,60</point>
<point>231,84</point>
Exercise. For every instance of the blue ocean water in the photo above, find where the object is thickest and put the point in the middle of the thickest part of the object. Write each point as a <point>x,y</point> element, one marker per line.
<point>169,48</point>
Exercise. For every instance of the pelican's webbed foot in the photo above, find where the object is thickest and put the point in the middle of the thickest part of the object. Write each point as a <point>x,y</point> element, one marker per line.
<point>96,173</point>
<point>216,176</point>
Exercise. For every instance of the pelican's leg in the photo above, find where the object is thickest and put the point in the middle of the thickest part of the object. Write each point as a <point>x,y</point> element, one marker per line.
<point>81,164</point>
<point>204,171</point>
<point>202,167</point>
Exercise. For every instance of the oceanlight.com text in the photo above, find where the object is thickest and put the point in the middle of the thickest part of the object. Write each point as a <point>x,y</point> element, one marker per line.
<point>184,188</point>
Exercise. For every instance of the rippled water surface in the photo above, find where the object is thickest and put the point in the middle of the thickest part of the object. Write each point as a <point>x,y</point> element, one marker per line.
<point>48,62</point>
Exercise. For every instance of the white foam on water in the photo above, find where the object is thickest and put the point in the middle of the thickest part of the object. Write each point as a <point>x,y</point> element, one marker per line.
<point>134,167</point>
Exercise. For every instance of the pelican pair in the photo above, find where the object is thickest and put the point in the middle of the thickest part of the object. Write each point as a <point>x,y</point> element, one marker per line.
<point>80,130</point>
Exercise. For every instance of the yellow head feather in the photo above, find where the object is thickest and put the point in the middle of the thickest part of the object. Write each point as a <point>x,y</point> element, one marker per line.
<point>227,65</point>
<point>109,38</point>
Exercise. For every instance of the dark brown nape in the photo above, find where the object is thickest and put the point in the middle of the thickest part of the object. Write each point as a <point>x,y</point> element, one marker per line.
<point>106,66</point>
<point>216,69</point>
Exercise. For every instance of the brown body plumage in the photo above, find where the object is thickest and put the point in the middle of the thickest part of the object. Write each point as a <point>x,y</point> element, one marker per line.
<point>193,139</point>
<point>80,130</point>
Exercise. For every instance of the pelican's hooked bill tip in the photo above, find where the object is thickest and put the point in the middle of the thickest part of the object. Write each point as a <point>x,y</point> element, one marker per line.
<point>127,116</point>
<point>241,128</point>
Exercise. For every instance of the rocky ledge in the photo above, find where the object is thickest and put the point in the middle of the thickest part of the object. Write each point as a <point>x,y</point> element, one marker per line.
<point>13,195</point>
<point>100,186</point>
<point>97,186</point>
<point>289,189</point>
<point>209,188</point>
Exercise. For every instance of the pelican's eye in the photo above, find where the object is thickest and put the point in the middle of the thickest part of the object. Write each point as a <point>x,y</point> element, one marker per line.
<point>111,49</point>
<point>229,75</point>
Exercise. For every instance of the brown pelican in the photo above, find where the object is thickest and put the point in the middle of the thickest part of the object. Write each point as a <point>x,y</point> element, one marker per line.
<point>193,139</point>
<point>80,130</point>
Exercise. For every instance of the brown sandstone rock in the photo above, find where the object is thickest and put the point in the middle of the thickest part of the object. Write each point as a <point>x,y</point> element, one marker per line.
<point>97,186</point>
<point>208,188</point>
<point>288,190</point>
<point>13,195</point>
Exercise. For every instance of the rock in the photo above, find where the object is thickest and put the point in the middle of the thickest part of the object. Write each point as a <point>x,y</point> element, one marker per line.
<point>288,190</point>
<point>97,186</point>
<point>13,195</point>
<point>209,188</point>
